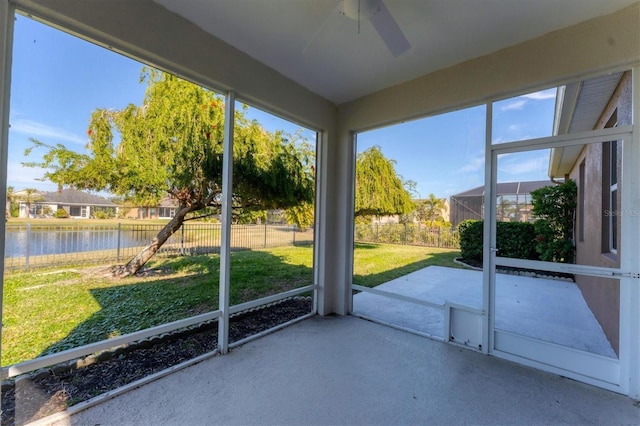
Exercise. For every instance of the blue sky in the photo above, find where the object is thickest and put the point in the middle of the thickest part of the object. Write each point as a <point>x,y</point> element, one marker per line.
<point>444,154</point>
<point>58,80</point>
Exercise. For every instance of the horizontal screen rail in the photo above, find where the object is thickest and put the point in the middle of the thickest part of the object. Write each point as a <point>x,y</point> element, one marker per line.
<point>69,354</point>
<point>397,296</point>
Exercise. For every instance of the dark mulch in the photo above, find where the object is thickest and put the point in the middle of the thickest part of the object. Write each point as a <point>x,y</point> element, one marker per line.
<point>520,271</point>
<point>53,390</point>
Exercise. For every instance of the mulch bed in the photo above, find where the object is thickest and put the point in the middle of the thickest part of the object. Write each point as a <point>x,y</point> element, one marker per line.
<point>52,390</point>
<point>520,271</point>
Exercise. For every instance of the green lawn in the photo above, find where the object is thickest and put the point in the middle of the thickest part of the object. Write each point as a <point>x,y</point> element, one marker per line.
<point>47,312</point>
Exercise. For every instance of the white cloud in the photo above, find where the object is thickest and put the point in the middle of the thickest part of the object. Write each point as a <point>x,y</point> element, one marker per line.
<point>23,177</point>
<point>515,105</point>
<point>474,165</point>
<point>515,127</point>
<point>39,130</point>
<point>542,95</point>
<point>537,164</point>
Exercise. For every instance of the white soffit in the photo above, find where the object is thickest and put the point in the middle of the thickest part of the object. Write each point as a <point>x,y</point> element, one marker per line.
<point>314,44</point>
<point>583,105</point>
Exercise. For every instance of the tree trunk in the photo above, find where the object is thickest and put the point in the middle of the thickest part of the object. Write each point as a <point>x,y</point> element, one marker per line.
<point>135,264</point>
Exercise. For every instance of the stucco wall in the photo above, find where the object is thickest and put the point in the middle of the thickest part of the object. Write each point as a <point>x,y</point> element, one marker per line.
<point>602,295</point>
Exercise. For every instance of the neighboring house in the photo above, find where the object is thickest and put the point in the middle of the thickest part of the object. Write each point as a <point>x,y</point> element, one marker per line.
<point>444,214</point>
<point>77,204</point>
<point>166,209</point>
<point>600,103</point>
<point>513,202</point>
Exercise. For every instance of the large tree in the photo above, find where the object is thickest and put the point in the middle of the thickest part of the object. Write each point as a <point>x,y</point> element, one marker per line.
<point>379,190</point>
<point>172,144</point>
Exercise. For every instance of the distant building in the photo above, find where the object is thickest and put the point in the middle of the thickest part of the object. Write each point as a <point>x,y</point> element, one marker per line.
<point>444,214</point>
<point>513,202</point>
<point>77,204</point>
<point>166,209</point>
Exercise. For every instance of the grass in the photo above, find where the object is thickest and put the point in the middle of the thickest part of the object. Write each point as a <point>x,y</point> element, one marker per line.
<point>50,311</point>
<point>374,264</point>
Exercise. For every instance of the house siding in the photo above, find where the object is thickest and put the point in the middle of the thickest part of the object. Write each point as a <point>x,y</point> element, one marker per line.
<point>601,294</point>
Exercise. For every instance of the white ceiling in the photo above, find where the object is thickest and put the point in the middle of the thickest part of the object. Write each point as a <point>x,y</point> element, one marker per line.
<point>312,43</point>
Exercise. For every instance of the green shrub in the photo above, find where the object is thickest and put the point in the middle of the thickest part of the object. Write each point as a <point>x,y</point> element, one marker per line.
<point>555,205</point>
<point>517,240</point>
<point>61,214</point>
<point>470,232</point>
<point>513,239</point>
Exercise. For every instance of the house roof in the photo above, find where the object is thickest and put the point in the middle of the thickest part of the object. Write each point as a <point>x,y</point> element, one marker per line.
<point>73,197</point>
<point>506,188</point>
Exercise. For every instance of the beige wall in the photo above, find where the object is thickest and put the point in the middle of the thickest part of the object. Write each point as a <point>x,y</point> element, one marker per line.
<point>602,295</point>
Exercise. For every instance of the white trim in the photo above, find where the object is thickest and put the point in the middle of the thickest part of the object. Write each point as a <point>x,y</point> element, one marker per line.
<point>319,189</point>
<point>397,327</point>
<point>225,237</point>
<point>571,139</point>
<point>489,234</point>
<point>629,345</point>
<point>586,364</point>
<point>397,296</point>
<point>7,12</point>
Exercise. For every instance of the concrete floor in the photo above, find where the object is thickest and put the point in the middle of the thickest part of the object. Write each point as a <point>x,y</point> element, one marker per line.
<point>545,309</point>
<point>346,370</point>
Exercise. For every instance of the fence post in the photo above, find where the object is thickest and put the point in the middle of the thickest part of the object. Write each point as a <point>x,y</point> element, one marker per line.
<point>405,234</point>
<point>182,239</point>
<point>118,247</point>
<point>376,233</point>
<point>26,264</point>
<point>294,234</point>
<point>265,234</point>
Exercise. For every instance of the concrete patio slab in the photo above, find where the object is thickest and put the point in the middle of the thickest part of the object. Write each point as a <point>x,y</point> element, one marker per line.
<point>345,370</point>
<point>547,309</point>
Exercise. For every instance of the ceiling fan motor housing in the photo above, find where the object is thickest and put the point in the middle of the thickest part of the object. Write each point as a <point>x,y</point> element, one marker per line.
<point>356,9</point>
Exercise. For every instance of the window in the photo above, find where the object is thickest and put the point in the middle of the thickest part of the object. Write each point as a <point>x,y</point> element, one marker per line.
<point>613,196</point>
<point>581,200</point>
<point>610,192</point>
<point>166,211</point>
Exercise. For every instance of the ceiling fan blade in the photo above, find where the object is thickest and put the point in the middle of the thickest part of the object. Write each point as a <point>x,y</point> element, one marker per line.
<point>389,30</point>
<point>325,23</point>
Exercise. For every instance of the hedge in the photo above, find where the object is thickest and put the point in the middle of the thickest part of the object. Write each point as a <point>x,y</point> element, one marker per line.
<point>513,239</point>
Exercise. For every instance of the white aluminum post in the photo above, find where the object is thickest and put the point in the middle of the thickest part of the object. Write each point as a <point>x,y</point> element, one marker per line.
<point>225,238</point>
<point>319,190</point>
<point>630,242</point>
<point>489,240</point>
<point>6,46</point>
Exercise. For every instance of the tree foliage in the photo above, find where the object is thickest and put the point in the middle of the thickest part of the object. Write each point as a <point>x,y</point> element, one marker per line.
<point>300,215</point>
<point>555,206</point>
<point>379,190</point>
<point>172,144</point>
<point>427,210</point>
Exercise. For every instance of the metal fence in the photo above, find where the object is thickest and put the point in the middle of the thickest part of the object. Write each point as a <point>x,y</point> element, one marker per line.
<point>31,245</point>
<point>410,234</point>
